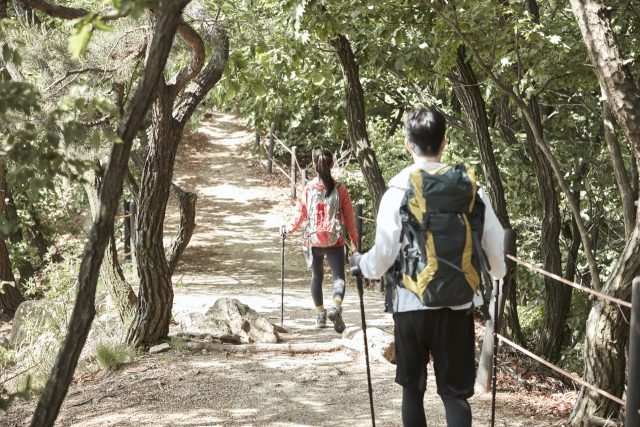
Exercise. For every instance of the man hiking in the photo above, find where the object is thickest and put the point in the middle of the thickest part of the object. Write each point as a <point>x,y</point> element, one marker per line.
<point>439,211</point>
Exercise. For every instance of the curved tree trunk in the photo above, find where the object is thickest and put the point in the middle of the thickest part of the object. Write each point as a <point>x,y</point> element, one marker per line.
<point>607,333</point>
<point>155,299</point>
<point>627,194</point>
<point>355,114</point>
<point>179,243</point>
<point>122,295</point>
<point>558,295</point>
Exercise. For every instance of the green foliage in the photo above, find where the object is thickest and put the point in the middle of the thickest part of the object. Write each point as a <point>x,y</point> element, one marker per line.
<point>112,354</point>
<point>6,398</point>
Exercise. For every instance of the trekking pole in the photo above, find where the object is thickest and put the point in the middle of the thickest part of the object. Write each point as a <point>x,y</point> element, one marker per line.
<point>495,351</point>
<point>355,271</point>
<point>282,287</point>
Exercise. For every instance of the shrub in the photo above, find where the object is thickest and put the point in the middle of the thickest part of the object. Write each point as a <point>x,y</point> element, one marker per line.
<point>112,354</point>
<point>177,342</point>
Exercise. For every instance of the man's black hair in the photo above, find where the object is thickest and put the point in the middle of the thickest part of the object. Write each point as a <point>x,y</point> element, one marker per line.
<point>425,130</point>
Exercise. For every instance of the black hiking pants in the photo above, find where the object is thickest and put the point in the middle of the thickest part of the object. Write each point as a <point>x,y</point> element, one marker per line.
<point>335,257</point>
<point>447,336</point>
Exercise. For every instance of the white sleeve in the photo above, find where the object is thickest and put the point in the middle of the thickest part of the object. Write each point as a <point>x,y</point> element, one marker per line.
<point>493,239</point>
<point>381,257</point>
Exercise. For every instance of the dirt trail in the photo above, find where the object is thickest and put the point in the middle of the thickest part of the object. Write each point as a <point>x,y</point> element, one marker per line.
<point>235,252</point>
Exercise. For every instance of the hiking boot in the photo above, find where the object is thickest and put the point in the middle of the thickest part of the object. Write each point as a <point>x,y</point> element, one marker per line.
<point>335,315</point>
<point>321,321</point>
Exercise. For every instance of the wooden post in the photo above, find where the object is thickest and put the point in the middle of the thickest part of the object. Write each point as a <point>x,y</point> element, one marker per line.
<point>358,214</point>
<point>633,382</point>
<point>483,380</point>
<point>293,172</point>
<point>303,174</point>
<point>270,154</point>
<point>127,232</point>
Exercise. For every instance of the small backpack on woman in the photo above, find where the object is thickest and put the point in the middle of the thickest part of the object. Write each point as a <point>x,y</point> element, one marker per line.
<point>324,220</point>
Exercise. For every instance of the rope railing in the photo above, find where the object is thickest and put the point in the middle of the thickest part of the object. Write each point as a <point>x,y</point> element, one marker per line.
<point>563,372</point>
<point>567,282</point>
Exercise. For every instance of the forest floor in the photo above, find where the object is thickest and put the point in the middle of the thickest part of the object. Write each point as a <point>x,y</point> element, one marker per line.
<point>235,252</point>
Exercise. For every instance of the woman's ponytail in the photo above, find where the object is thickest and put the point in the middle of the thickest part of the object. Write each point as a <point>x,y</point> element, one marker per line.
<point>323,160</point>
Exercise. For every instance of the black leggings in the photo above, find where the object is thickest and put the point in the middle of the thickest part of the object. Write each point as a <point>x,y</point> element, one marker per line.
<point>335,256</point>
<point>458,410</point>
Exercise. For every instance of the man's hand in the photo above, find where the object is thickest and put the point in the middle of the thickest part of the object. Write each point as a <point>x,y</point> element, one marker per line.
<point>283,230</point>
<point>354,264</point>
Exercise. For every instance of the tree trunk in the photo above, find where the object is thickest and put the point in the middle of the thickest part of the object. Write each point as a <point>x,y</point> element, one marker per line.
<point>179,243</point>
<point>84,310</point>
<point>122,295</point>
<point>626,191</point>
<point>10,297</point>
<point>558,295</point>
<point>355,115</point>
<point>474,107</point>
<point>611,68</point>
<point>607,333</point>
<point>607,330</point>
<point>3,9</point>
<point>155,298</point>
<point>511,323</point>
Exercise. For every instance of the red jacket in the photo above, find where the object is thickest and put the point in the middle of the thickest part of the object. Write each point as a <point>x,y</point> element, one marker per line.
<point>346,211</point>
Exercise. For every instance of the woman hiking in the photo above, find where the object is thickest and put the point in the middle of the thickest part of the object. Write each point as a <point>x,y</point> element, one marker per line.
<point>326,205</point>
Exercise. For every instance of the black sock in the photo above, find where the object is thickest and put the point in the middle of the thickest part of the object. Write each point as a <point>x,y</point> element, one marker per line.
<point>413,408</point>
<point>458,412</point>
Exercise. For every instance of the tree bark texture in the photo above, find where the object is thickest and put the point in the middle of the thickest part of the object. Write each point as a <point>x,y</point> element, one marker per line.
<point>558,295</point>
<point>84,309</point>
<point>10,298</point>
<point>122,295</point>
<point>607,333</point>
<point>155,299</point>
<point>179,243</point>
<point>3,9</point>
<point>624,185</point>
<point>355,115</point>
<point>511,322</point>
<point>474,107</point>
<point>610,66</point>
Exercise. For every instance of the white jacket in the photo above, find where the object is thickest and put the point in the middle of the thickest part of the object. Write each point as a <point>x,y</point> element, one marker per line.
<point>375,263</point>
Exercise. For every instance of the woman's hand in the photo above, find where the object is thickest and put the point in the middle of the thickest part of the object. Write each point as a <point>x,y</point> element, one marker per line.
<point>283,230</point>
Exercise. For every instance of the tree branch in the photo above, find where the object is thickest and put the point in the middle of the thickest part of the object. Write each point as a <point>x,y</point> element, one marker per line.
<point>539,138</point>
<point>179,243</point>
<point>211,74</point>
<point>63,12</point>
<point>182,77</point>
<point>424,97</point>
